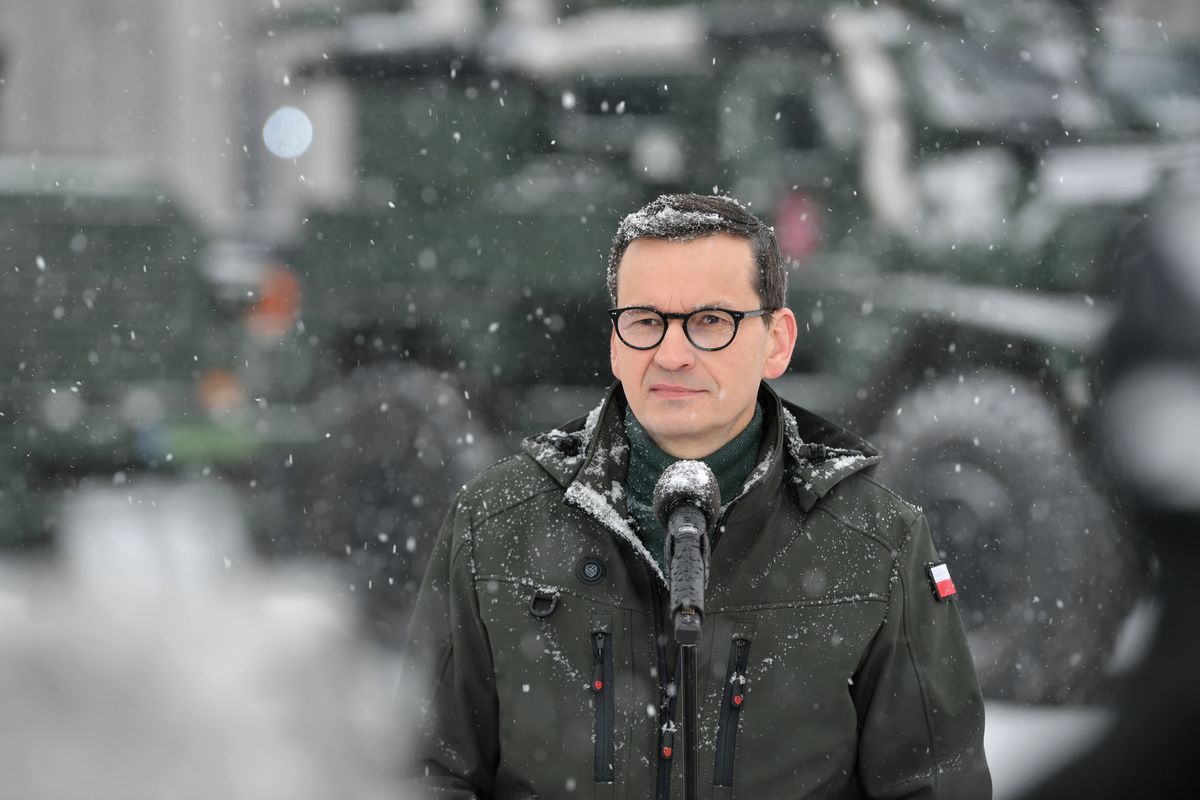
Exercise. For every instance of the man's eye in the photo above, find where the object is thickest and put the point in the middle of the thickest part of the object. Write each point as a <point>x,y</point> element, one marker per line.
<point>648,322</point>
<point>710,319</point>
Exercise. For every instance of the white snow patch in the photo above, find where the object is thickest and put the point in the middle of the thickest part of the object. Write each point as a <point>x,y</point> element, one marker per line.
<point>791,435</point>
<point>688,478</point>
<point>592,502</point>
<point>758,474</point>
<point>546,449</point>
<point>591,423</point>
<point>668,222</point>
<point>830,468</point>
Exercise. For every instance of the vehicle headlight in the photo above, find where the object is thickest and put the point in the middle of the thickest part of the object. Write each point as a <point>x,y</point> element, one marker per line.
<point>62,410</point>
<point>143,407</point>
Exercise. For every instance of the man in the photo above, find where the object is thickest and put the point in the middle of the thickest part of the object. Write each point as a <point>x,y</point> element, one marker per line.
<point>828,667</point>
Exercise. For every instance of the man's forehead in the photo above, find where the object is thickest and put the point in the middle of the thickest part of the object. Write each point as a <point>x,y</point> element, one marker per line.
<point>711,239</point>
<point>726,260</point>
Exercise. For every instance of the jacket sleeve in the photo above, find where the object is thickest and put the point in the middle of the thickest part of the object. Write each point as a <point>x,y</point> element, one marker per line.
<point>448,676</point>
<point>919,706</point>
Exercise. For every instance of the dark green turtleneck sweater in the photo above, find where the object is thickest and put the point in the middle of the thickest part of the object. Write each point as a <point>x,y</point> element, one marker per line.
<point>731,464</point>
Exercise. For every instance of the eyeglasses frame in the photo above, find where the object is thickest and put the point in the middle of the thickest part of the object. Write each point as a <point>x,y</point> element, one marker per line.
<point>738,316</point>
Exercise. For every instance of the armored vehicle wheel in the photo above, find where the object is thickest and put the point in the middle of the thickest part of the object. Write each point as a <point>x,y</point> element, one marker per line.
<point>1043,572</point>
<point>402,443</point>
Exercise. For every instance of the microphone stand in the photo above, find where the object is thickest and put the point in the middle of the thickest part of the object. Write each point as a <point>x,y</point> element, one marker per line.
<point>691,780</point>
<point>688,557</point>
<point>687,502</point>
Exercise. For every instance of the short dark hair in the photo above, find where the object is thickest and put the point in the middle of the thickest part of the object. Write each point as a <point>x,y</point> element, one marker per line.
<point>683,217</point>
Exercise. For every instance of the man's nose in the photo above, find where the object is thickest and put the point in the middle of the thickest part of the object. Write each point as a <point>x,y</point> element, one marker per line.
<point>675,351</point>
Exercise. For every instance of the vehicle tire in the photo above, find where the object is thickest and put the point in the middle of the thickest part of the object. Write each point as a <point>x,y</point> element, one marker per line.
<point>402,441</point>
<point>1044,574</point>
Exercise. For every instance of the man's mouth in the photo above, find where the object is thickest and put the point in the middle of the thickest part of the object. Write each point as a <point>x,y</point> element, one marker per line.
<point>668,391</point>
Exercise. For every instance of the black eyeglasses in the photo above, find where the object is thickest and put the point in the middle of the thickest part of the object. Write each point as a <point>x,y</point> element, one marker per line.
<point>644,328</point>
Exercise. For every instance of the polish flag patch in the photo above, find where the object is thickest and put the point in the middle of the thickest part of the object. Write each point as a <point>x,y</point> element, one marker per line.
<point>939,578</point>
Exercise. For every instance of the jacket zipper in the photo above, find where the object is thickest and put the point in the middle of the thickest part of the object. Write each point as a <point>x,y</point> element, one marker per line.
<point>666,703</point>
<point>605,707</point>
<point>731,708</point>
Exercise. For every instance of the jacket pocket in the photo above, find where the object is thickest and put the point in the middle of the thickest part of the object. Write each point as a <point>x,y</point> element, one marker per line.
<point>604,706</point>
<point>733,699</point>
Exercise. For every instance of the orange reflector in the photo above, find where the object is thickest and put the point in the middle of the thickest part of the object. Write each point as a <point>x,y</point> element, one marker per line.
<point>220,391</point>
<point>278,304</point>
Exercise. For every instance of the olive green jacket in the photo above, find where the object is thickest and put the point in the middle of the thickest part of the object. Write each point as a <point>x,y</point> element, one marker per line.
<point>827,669</point>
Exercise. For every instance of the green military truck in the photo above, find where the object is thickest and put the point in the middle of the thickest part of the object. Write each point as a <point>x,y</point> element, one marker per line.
<point>118,360</point>
<point>951,188</point>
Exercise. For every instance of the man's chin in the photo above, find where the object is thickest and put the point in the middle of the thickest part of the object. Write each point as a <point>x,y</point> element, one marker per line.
<point>662,423</point>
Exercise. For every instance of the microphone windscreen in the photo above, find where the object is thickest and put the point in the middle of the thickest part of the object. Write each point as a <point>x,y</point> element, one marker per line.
<point>691,483</point>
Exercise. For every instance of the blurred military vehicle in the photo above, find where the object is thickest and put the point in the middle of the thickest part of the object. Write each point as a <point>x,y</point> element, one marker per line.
<point>117,359</point>
<point>952,184</point>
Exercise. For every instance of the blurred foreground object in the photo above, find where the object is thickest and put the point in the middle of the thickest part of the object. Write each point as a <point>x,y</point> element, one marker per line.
<point>1151,380</point>
<point>161,663</point>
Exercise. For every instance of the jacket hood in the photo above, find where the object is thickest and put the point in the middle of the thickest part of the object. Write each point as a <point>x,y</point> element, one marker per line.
<point>589,457</point>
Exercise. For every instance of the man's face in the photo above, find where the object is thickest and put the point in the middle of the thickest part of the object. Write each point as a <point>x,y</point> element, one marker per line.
<point>690,401</point>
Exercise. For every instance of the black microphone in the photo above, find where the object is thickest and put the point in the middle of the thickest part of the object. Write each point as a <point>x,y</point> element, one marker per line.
<point>687,502</point>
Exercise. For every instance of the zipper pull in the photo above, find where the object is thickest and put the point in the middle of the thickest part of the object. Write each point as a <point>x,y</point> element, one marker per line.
<point>738,695</point>
<point>666,741</point>
<point>598,663</point>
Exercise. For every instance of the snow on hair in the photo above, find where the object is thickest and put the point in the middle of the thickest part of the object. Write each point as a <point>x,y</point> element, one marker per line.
<point>683,217</point>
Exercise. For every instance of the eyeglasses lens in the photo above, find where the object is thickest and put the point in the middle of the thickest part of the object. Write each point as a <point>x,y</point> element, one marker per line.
<point>707,328</point>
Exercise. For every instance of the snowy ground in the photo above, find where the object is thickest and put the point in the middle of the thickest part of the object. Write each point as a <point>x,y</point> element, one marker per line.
<point>1025,744</point>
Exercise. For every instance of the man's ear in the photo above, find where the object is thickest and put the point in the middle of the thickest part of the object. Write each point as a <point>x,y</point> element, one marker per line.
<point>613,344</point>
<point>781,341</point>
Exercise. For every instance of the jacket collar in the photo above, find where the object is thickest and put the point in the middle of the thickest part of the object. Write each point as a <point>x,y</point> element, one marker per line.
<point>589,457</point>
<point>821,453</point>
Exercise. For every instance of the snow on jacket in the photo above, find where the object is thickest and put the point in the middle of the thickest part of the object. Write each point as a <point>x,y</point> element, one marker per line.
<point>828,667</point>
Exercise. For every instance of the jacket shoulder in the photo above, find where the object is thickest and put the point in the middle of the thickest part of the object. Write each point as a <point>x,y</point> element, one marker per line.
<point>507,483</point>
<point>863,503</point>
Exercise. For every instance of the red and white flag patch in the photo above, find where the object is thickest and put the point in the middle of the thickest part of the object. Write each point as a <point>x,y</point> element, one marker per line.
<point>939,578</point>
